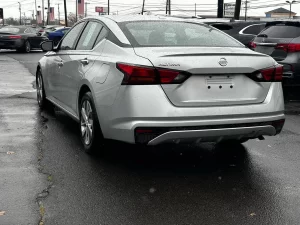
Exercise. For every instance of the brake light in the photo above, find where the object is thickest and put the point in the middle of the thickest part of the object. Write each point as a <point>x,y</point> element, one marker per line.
<point>15,37</point>
<point>271,74</point>
<point>143,75</point>
<point>292,47</point>
<point>252,45</point>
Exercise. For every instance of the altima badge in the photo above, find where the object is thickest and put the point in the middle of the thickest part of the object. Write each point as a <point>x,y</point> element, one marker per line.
<point>223,62</point>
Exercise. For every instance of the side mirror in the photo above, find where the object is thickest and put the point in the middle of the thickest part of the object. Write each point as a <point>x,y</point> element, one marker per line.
<point>47,46</point>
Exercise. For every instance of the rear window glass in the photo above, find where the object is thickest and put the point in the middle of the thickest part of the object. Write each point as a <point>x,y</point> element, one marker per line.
<point>254,29</point>
<point>13,30</point>
<point>222,26</point>
<point>169,33</point>
<point>281,31</point>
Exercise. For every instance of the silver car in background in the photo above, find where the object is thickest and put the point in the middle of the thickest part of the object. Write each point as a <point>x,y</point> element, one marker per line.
<point>152,80</point>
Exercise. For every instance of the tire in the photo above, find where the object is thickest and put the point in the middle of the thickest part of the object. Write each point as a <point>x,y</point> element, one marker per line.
<point>90,132</point>
<point>40,90</point>
<point>27,47</point>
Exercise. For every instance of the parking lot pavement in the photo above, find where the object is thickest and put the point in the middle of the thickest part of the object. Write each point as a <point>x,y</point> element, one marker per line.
<point>20,178</point>
<point>292,107</point>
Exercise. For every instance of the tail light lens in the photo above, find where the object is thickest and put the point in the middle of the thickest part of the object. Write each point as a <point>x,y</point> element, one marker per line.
<point>143,75</point>
<point>272,74</point>
<point>293,47</point>
<point>15,37</point>
<point>252,45</point>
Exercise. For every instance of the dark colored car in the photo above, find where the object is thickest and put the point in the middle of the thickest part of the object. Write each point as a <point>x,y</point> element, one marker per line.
<point>57,35</point>
<point>281,40</point>
<point>21,38</point>
<point>243,31</point>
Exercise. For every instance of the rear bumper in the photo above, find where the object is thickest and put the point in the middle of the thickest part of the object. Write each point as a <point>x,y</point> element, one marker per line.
<point>14,44</point>
<point>135,108</point>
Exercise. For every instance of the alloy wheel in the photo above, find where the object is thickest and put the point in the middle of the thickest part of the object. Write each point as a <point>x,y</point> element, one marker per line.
<point>86,122</point>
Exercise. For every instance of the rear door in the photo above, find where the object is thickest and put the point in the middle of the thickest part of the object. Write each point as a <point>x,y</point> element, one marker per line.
<point>273,40</point>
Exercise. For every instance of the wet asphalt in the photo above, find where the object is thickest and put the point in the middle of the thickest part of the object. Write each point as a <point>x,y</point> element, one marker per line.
<point>49,178</point>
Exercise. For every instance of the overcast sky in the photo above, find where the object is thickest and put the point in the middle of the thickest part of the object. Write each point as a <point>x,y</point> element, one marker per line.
<point>204,7</point>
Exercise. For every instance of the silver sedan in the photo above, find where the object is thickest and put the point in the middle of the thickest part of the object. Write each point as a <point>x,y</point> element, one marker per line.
<point>151,80</point>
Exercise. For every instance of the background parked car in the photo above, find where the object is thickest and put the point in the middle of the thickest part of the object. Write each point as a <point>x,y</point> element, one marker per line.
<point>21,38</point>
<point>242,31</point>
<point>281,40</point>
<point>57,35</point>
<point>42,31</point>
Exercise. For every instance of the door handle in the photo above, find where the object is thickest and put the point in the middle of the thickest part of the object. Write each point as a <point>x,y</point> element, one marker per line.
<point>84,61</point>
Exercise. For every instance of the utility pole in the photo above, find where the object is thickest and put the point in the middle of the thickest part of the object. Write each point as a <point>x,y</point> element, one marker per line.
<point>48,13</point>
<point>195,9</point>
<point>108,5</point>
<point>58,13</point>
<point>43,11</point>
<point>20,13</point>
<point>66,16</point>
<point>246,8</point>
<point>86,3</point>
<point>169,7</point>
<point>143,7</point>
<point>291,3</point>
<point>76,10</point>
<point>237,9</point>
<point>36,13</point>
<point>220,8</point>
<point>167,2</point>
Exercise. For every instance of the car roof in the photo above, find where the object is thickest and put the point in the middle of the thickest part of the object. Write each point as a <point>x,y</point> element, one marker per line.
<point>127,18</point>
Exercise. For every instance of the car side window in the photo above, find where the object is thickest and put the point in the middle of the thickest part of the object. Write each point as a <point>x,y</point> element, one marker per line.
<point>253,29</point>
<point>101,36</point>
<point>68,43</point>
<point>89,36</point>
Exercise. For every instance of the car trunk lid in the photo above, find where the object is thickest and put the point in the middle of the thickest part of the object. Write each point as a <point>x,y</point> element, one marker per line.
<point>218,76</point>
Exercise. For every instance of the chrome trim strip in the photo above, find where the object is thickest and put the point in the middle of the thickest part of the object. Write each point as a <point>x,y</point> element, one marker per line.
<point>265,44</point>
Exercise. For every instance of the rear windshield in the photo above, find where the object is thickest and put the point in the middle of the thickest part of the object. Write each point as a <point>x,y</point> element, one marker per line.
<point>10,30</point>
<point>169,33</point>
<point>282,31</point>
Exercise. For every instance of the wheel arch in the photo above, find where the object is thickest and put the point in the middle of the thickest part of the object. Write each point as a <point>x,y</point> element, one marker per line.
<point>84,88</point>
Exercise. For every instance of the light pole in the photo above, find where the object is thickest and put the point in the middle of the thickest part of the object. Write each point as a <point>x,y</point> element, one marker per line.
<point>291,3</point>
<point>20,13</point>
<point>86,3</point>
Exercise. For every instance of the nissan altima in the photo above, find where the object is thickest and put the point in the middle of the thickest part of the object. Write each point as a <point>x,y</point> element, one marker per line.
<point>152,80</point>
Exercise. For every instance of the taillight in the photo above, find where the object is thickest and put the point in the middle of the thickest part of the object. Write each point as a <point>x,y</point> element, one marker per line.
<point>292,47</point>
<point>15,37</point>
<point>272,74</point>
<point>143,75</point>
<point>252,45</point>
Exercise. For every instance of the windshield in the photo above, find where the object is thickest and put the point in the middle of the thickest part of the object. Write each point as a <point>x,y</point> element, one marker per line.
<point>12,30</point>
<point>281,31</point>
<point>170,33</point>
